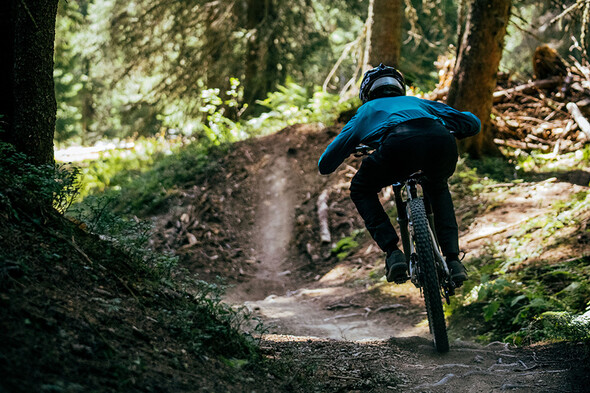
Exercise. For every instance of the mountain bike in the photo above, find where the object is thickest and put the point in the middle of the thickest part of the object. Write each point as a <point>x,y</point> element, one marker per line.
<point>427,267</point>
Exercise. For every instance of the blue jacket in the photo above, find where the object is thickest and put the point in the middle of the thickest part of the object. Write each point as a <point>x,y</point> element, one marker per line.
<point>374,118</point>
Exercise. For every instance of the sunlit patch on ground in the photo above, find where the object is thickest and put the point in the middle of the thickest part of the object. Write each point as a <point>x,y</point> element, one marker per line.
<point>83,153</point>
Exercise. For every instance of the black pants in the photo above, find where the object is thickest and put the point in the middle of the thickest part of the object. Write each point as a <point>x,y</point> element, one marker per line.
<point>421,144</point>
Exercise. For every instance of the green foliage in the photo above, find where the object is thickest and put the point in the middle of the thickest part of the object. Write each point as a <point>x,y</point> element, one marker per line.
<point>346,245</point>
<point>116,166</point>
<point>146,192</point>
<point>430,28</point>
<point>496,168</point>
<point>555,326</point>
<point>27,188</point>
<point>143,178</point>
<point>214,326</point>
<point>219,127</point>
<point>125,70</point>
<point>519,306</point>
<point>218,117</point>
<point>292,104</point>
<point>71,74</point>
<point>544,231</point>
<point>146,175</point>
<point>136,70</point>
<point>537,162</point>
<point>465,181</point>
<point>518,302</point>
<point>131,236</point>
<point>472,176</point>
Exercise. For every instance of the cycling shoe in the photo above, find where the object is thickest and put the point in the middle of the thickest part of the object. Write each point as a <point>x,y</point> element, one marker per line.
<point>458,272</point>
<point>396,268</point>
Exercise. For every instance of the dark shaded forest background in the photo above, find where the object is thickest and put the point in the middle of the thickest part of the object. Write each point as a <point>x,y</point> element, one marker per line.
<point>210,69</point>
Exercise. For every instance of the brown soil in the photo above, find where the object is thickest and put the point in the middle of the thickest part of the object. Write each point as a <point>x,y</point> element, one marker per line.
<point>338,316</point>
<point>81,320</point>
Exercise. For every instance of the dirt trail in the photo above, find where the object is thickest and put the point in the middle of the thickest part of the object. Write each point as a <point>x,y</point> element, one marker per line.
<point>410,365</point>
<point>358,344</point>
<point>272,235</point>
<point>315,310</point>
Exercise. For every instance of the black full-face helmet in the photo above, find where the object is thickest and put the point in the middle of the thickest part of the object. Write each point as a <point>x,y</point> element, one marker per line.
<point>382,81</point>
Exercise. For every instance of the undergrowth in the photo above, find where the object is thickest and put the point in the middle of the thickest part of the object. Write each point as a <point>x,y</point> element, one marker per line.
<point>146,175</point>
<point>139,183</point>
<point>507,297</point>
<point>293,104</point>
<point>29,188</point>
<point>536,303</point>
<point>101,250</point>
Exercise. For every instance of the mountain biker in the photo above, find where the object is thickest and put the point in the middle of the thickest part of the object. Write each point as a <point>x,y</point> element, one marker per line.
<point>409,134</point>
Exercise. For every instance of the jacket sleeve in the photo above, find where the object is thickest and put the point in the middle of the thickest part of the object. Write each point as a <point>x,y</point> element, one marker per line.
<point>463,124</point>
<point>340,148</point>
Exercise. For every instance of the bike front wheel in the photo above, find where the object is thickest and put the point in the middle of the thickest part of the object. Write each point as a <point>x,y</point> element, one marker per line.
<point>428,275</point>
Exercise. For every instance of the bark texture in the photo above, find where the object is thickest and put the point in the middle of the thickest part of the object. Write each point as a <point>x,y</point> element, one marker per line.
<point>386,32</point>
<point>476,69</point>
<point>28,101</point>
<point>261,56</point>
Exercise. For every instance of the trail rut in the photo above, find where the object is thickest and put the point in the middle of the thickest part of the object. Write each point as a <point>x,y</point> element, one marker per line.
<point>313,310</point>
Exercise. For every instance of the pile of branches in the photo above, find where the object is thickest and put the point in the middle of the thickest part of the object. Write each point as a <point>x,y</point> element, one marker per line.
<point>547,114</point>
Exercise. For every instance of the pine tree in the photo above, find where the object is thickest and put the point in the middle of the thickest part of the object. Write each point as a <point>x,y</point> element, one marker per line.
<point>27,102</point>
<point>476,68</point>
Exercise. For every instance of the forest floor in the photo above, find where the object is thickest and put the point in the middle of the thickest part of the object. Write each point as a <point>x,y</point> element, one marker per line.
<point>76,314</point>
<point>333,315</point>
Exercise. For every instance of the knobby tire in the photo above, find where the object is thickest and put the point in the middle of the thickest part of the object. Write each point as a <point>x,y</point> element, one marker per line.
<point>429,276</point>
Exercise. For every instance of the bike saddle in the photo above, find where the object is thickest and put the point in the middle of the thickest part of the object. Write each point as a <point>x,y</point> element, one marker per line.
<point>416,175</point>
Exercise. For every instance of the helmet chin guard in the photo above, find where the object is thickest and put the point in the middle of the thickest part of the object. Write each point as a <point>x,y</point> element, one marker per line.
<point>382,78</point>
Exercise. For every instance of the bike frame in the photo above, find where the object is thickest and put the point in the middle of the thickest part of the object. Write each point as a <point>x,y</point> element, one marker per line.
<point>429,273</point>
<point>409,189</point>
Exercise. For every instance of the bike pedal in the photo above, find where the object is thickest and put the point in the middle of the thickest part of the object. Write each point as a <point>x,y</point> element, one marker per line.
<point>400,280</point>
<point>451,290</point>
<point>457,284</point>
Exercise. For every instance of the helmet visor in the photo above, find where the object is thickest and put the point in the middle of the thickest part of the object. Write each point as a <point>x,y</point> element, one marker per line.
<point>385,81</point>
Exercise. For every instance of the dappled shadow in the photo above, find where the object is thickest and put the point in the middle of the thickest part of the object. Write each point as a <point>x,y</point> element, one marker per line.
<point>496,168</point>
<point>578,176</point>
<point>412,364</point>
<point>500,169</point>
<point>343,313</point>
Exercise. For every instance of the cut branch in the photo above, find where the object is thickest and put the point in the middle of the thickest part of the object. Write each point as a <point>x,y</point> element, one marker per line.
<point>323,217</point>
<point>521,145</point>
<point>527,88</point>
<point>347,49</point>
<point>582,122</point>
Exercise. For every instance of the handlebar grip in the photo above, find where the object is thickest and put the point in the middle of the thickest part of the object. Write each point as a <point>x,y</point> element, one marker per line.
<point>362,150</point>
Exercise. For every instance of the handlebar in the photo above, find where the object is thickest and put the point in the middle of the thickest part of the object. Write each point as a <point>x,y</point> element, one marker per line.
<point>362,150</point>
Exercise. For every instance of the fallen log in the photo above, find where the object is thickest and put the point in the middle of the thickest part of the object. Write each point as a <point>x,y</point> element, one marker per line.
<point>583,102</point>
<point>521,145</point>
<point>322,205</point>
<point>527,88</point>
<point>582,122</point>
<point>538,140</point>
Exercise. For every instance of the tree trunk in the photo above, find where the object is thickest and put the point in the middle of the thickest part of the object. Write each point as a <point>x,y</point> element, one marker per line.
<point>28,99</point>
<point>462,8</point>
<point>261,61</point>
<point>88,111</point>
<point>7,68</point>
<point>386,32</point>
<point>476,69</point>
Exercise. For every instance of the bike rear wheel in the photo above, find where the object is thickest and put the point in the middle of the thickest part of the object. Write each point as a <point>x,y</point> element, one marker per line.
<point>428,274</point>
